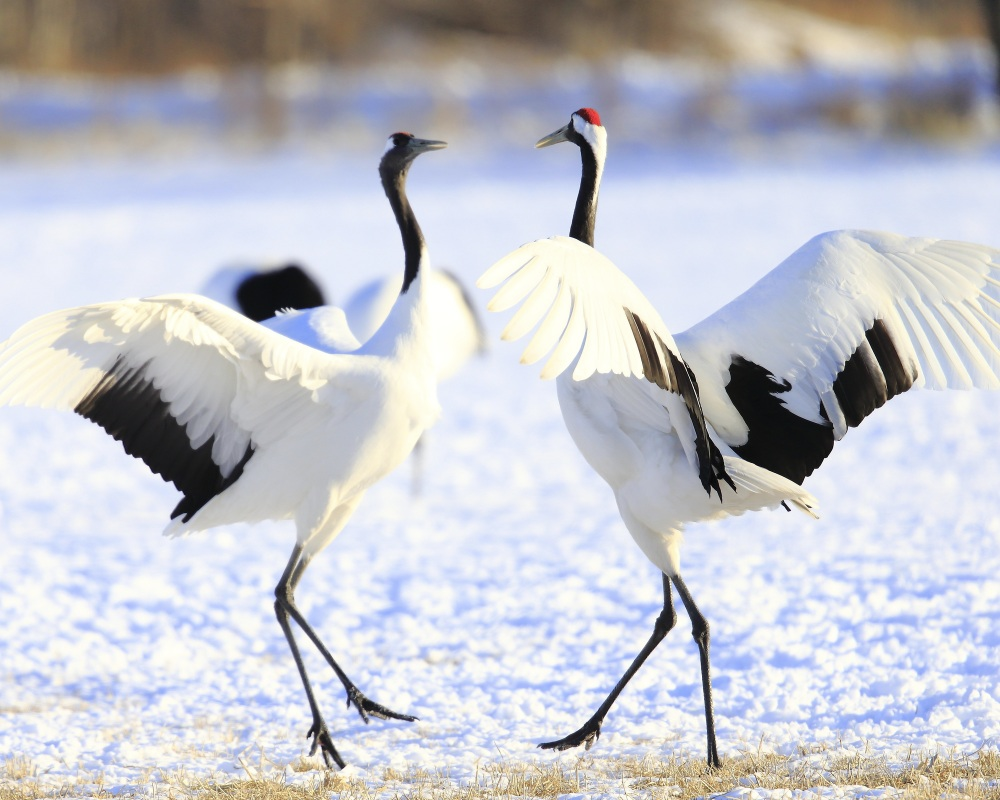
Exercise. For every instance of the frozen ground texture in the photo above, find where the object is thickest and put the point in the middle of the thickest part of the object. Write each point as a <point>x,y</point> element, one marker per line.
<point>501,605</point>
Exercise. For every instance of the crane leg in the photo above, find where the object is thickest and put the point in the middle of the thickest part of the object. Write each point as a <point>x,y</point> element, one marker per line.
<point>319,733</point>
<point>590,731</point>
<point>285,609</point>
<point>699,630</point>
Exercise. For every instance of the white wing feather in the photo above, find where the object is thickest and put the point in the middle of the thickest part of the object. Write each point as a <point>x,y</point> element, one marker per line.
<point>222,374</point>
<point>757,481</point>
<point>939,301</point>
<point>578,299</point>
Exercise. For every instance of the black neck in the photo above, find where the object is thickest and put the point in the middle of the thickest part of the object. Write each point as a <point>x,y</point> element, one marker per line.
<point>585,213</point>
<point>394,183</point>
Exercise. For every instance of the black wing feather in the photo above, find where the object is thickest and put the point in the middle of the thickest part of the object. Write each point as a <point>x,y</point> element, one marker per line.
<point>675,376</point>
<point>782,441</point>
<point>131,409</point>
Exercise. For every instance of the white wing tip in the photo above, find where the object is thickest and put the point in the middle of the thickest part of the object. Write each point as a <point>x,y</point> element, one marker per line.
<point>502,269</point>
<point>807,504</point>
<point>547,373</point>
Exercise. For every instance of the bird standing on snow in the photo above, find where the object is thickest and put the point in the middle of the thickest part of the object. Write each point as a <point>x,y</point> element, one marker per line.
<point>732,415</point>
<point>248,424</point>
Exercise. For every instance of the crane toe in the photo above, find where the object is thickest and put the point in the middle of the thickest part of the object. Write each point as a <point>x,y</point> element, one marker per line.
<point>586,736</point>
<point>322,741</point>
<point>369,708</point>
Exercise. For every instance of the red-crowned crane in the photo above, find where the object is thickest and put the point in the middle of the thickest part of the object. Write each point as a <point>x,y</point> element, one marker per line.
<point>249,424</point>
<point>732,415</point>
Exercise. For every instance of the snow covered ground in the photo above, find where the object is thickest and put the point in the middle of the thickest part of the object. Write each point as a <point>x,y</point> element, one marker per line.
<point>501,605</point>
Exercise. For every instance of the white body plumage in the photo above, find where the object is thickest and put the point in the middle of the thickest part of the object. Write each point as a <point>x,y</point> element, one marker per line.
<point>637,435</point>
<point>456,332</point>
<point>343,421</point>
<point>937,303</point>
<point>251,421</point>
<point>735,413</point>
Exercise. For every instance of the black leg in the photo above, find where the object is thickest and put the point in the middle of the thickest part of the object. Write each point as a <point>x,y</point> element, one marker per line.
<point>285,595</point>
<point>284,607</point>
<point>318,732</point>
<point>590,732</point>
<point>699,630</point>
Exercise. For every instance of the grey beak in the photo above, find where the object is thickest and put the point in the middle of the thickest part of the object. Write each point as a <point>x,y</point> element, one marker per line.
<point>561,135</point>
<point>423,145</point>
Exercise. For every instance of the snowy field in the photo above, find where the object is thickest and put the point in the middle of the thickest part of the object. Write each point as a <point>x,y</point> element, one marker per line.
<point>501,605</point>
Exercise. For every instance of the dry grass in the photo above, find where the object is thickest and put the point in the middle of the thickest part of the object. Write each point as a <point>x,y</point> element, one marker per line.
<point>491,782</point>
<point>919,778</point>
<point>19,780</point>
<point>916,777</point>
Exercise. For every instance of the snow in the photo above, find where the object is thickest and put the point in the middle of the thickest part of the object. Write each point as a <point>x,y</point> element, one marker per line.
<point>502,604</point>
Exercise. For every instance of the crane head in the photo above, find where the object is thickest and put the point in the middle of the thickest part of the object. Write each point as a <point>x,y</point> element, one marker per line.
<point>583,126</point>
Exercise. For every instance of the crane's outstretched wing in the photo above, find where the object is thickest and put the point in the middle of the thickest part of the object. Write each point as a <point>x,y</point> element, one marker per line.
<point>587,307</point>
<point>186,384</point>
<point>848,321</point>
<point>587,311</point>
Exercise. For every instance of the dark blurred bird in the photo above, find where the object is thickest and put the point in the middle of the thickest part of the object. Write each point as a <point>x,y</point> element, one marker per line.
<point>261,291</point>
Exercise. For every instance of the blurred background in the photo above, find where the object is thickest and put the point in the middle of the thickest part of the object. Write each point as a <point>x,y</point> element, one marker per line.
<point>138,76</point>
